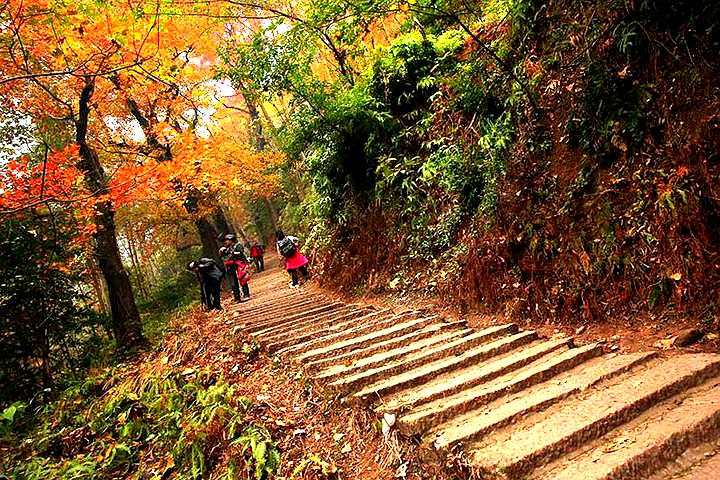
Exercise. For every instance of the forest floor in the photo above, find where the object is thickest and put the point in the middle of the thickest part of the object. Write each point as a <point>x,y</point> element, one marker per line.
<point>319,437</point>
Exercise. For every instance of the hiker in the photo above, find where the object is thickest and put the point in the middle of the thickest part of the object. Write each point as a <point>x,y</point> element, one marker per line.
<point>233,257</point>
<point>295,261</point>
<point>257,251</point>
<point>209,275</point>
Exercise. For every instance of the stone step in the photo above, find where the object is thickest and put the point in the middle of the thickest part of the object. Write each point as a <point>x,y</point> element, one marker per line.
<point>342,313</point>
<point>357,353</point>
<point>281,318</point>
<point>452,355</point>
<point>450,383</point>
<point>398,324</point>
<point>706,470</point>
<point>470,422</point>
<point>646,443</point>
<point>276,315</point>
<point>541,437</point>
<point>256,309</point>
<point>322,327</point>
<point>691,462</point>
<point>334,333</point>
<point>257,306</point>
<point>394,354</point>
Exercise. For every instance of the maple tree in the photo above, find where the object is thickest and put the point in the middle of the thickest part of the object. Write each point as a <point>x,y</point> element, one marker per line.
<point>98,70</point>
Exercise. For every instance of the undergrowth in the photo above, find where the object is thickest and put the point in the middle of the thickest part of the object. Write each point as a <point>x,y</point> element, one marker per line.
<point>188,423</point>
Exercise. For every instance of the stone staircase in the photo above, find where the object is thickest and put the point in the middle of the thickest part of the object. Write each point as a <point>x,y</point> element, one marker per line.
<point>509,403</point>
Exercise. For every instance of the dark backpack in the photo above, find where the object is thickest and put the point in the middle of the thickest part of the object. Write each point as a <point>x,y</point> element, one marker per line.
<point>287,248</point>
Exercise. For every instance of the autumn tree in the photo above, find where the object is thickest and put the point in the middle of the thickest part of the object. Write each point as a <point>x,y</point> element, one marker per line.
<point>56,59</point>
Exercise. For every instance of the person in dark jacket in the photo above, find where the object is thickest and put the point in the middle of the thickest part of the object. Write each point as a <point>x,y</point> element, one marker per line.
<point>209,275</point>
<point>257,252</point>
<point>235,261</point>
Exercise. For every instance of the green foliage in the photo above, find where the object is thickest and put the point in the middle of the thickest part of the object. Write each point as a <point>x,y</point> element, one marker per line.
<point>613,114</point>
<point>175,294</point>
<point>261,454</point>
<point>48,332</point>
<point>100,429</point>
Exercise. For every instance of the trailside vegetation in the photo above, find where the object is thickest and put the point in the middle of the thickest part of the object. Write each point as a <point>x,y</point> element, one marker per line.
<point>552,160</point>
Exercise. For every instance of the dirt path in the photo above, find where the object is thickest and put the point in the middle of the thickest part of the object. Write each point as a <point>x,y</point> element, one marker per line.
<point>505,402</point>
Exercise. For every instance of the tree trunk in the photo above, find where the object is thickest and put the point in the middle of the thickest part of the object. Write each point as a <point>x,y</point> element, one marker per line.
<point>260,143</point>
<point>208,238</point>
<point>257,129</point>
<point>206,230</point>
<point>241,232</point>
<point>125,317</point>
<point>137,265</point>
<point>221,222</point>
<point>99,287</point>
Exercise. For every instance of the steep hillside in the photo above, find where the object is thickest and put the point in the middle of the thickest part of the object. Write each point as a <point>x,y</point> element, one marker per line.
<point>555,160</point>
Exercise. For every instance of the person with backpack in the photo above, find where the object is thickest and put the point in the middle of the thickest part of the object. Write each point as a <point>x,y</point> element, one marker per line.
<point>257,251</point>
<point>235,261</point>
<point>295,261</point>
<point>209,276</point>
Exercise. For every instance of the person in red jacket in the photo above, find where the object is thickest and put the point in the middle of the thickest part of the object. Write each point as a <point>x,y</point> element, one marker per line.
<point>295,262</point>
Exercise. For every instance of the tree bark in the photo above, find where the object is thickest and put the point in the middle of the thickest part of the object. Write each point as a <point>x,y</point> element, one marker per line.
<point>125,317</point>
<point>260,144</point>
<point>220,220</point>
<point>206,230</point>
<point>99,287</point>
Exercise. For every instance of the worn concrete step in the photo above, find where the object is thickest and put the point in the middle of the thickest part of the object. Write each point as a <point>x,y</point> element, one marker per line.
<point>315,366</point>
<point>257,308</point>
<point>432,368</point>
<point>311,322</point>
<point>453,382</point>
<point>394,325</point>
<point>455,418</point>
<point>646,443</point>
<point>364,326</point>
<point>286,307</point>
<point>277,315</point>
<point>692,463</point>
<point>282,318</point>
<point>394,354</point>
<point>543,436</point>
<point>338,318</point>
<point>709,469</point>
<point>335,332</point>
<point>452,355</point>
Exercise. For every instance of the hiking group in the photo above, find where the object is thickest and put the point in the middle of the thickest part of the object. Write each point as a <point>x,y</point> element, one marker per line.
<point>235,267</point>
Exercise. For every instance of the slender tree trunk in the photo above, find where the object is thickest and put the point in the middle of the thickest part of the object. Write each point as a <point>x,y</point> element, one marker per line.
<point>99,288</point>
<point>241,232</point>
<point>257,129</point>
<point>207,232</point>
<point>125,317</point>
<point>137,265</point>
